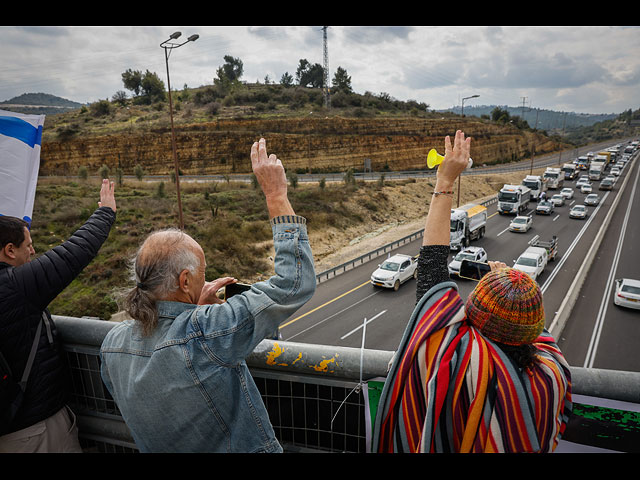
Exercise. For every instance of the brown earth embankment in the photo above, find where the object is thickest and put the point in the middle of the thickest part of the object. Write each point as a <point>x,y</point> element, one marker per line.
<point>332,144</point>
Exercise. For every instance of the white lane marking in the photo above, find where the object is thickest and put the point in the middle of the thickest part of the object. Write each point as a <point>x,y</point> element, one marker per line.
<point>597,330</point>
<point>564,258</point>
<point>331,316</point>
<point>366,322</point>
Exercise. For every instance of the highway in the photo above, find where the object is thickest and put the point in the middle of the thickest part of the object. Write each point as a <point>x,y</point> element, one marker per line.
<point>347,306</point>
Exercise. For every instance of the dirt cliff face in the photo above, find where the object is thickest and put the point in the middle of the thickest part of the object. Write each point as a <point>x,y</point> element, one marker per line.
<point>332,144</point>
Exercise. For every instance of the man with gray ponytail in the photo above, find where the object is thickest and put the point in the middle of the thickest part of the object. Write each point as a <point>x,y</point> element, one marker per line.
<point>177,370</point>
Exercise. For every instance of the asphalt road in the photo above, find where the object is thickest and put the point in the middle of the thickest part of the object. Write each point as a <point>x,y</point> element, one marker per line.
<point>337,313</point>
<point>601,334</point>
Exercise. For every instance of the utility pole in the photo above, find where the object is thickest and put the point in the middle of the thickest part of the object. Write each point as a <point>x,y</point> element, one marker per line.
<point>564,119</point>
<point>523,101</point>
<point>325,70</point>
<point>533,146</point>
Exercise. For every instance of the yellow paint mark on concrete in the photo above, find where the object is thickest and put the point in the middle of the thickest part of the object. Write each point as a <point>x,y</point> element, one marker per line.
<point>323,366</point>
<point>274,354</point>
<point>296,360</point>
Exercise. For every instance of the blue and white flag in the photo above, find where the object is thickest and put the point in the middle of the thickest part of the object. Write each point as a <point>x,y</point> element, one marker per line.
<point>20,140</point>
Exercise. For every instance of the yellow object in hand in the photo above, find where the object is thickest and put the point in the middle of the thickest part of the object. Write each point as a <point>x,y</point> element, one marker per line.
<point>434,159</point>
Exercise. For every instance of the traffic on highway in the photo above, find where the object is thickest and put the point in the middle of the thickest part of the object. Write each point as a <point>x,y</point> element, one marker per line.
<point>556,244</point>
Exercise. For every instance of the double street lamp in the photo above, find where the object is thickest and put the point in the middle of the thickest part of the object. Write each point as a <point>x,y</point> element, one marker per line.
<point>169,45</point>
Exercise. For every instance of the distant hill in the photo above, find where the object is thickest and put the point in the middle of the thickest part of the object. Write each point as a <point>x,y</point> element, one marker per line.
<point>546,119</point>
<point>39,103</point>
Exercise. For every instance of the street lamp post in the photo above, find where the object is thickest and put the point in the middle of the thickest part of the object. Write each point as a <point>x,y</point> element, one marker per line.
<point>168,46</point>
<point>462,113</point>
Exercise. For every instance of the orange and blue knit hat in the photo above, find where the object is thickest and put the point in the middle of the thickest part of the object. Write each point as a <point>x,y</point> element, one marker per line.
<point>506,306</point>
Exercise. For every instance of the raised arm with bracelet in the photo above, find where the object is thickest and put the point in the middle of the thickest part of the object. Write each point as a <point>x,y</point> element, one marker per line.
<point>432,262</point>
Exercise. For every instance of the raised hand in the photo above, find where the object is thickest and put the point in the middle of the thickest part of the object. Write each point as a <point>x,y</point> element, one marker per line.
<point>107,196</point>
<point>269,171</point>
<point>455,160</point>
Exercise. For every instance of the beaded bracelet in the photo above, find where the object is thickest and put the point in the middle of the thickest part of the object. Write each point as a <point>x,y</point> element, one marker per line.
<point>449,193</point>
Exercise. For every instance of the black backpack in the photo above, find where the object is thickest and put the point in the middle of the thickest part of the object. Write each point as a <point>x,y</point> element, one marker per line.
<point>12,391</point>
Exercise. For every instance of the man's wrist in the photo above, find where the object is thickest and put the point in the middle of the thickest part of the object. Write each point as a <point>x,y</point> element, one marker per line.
<point>279,205</point>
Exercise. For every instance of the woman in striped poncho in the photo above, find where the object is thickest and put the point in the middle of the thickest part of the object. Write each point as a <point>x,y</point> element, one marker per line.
<point>476,376</point>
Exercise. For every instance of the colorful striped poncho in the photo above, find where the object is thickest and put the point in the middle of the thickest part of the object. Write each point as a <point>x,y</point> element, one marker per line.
<point>452,390</point>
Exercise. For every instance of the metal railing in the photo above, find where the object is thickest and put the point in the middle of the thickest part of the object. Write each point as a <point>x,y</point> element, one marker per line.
<point>319,397</point>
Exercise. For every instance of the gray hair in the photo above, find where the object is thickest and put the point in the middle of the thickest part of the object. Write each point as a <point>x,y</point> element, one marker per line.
<point>156,269</point>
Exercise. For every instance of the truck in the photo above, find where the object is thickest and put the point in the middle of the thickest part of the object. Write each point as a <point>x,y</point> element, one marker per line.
<point>513,199</point>
<point>570,171</point>
<point>605,157</point>
<point>554,177</point>
<point>395,270</point>
<point>532,261</point>
<point>467,223</point>
<point>551,246</point>
<point>596,169</point>
<point>536,184</point>
<point>582,163</point>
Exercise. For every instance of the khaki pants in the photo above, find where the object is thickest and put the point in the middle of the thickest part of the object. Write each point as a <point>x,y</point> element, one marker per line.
<point>56,434</point>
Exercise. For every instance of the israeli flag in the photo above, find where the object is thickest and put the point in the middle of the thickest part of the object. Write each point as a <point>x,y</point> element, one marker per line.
<point>20,140</point>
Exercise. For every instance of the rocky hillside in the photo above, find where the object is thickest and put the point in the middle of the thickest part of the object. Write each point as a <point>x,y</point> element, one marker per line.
<point>325,144</point>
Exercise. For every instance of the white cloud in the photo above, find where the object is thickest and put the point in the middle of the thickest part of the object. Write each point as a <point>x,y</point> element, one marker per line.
<point>582,69</point>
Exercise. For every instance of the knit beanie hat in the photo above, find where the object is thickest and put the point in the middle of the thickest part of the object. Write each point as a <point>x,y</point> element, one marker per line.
<point>506,306</point>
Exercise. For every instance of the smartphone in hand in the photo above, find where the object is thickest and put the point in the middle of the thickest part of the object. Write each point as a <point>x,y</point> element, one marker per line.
<point>234,288</point>
<point>473,270</point>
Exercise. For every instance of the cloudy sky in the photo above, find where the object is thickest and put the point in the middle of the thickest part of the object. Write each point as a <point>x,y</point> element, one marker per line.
<point>579,69</point>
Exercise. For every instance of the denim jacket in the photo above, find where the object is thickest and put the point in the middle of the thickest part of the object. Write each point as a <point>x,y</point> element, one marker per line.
<point>187,387</point>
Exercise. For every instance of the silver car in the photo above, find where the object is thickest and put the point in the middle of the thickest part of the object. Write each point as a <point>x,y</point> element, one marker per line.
<point>592,199</point>
<point>557,200</point>
<point>578,211</point>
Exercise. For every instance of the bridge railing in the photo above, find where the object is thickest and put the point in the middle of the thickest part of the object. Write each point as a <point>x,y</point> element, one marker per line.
<point>322,398</point>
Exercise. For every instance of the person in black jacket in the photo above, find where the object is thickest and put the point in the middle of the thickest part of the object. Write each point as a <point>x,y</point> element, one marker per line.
<point>43,422</point>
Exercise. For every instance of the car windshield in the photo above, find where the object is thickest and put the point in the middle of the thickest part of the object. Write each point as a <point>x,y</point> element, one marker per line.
<point>578,208</point>
<point>519,220</point>
<point>545,204</point>
<point>464,256</point>
<point>557,197</point>
<point>592,197</point>
<point>391,266</point>
<point>630,289</point>
<point>527,262</point>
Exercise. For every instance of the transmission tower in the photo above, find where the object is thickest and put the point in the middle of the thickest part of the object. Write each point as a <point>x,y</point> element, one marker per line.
<point>325,73</point>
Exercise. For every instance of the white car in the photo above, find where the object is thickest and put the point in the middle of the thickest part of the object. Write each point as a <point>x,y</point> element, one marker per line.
<point>582,181</point>
<point>585,188</point>
<point>592,199</point>
<point>395,270</point>
<point>521,223</point>
<point>578,211</point>
<point>627,293</point>
<point>476,254</point>
<point>615,171</point>
<point>557,200</point>
<point>567,193</point>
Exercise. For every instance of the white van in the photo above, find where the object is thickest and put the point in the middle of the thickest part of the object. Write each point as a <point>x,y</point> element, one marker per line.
<point>532,261</point>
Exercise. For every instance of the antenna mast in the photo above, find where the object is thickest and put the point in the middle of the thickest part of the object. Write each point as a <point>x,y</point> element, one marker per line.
<point>325,75</point>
